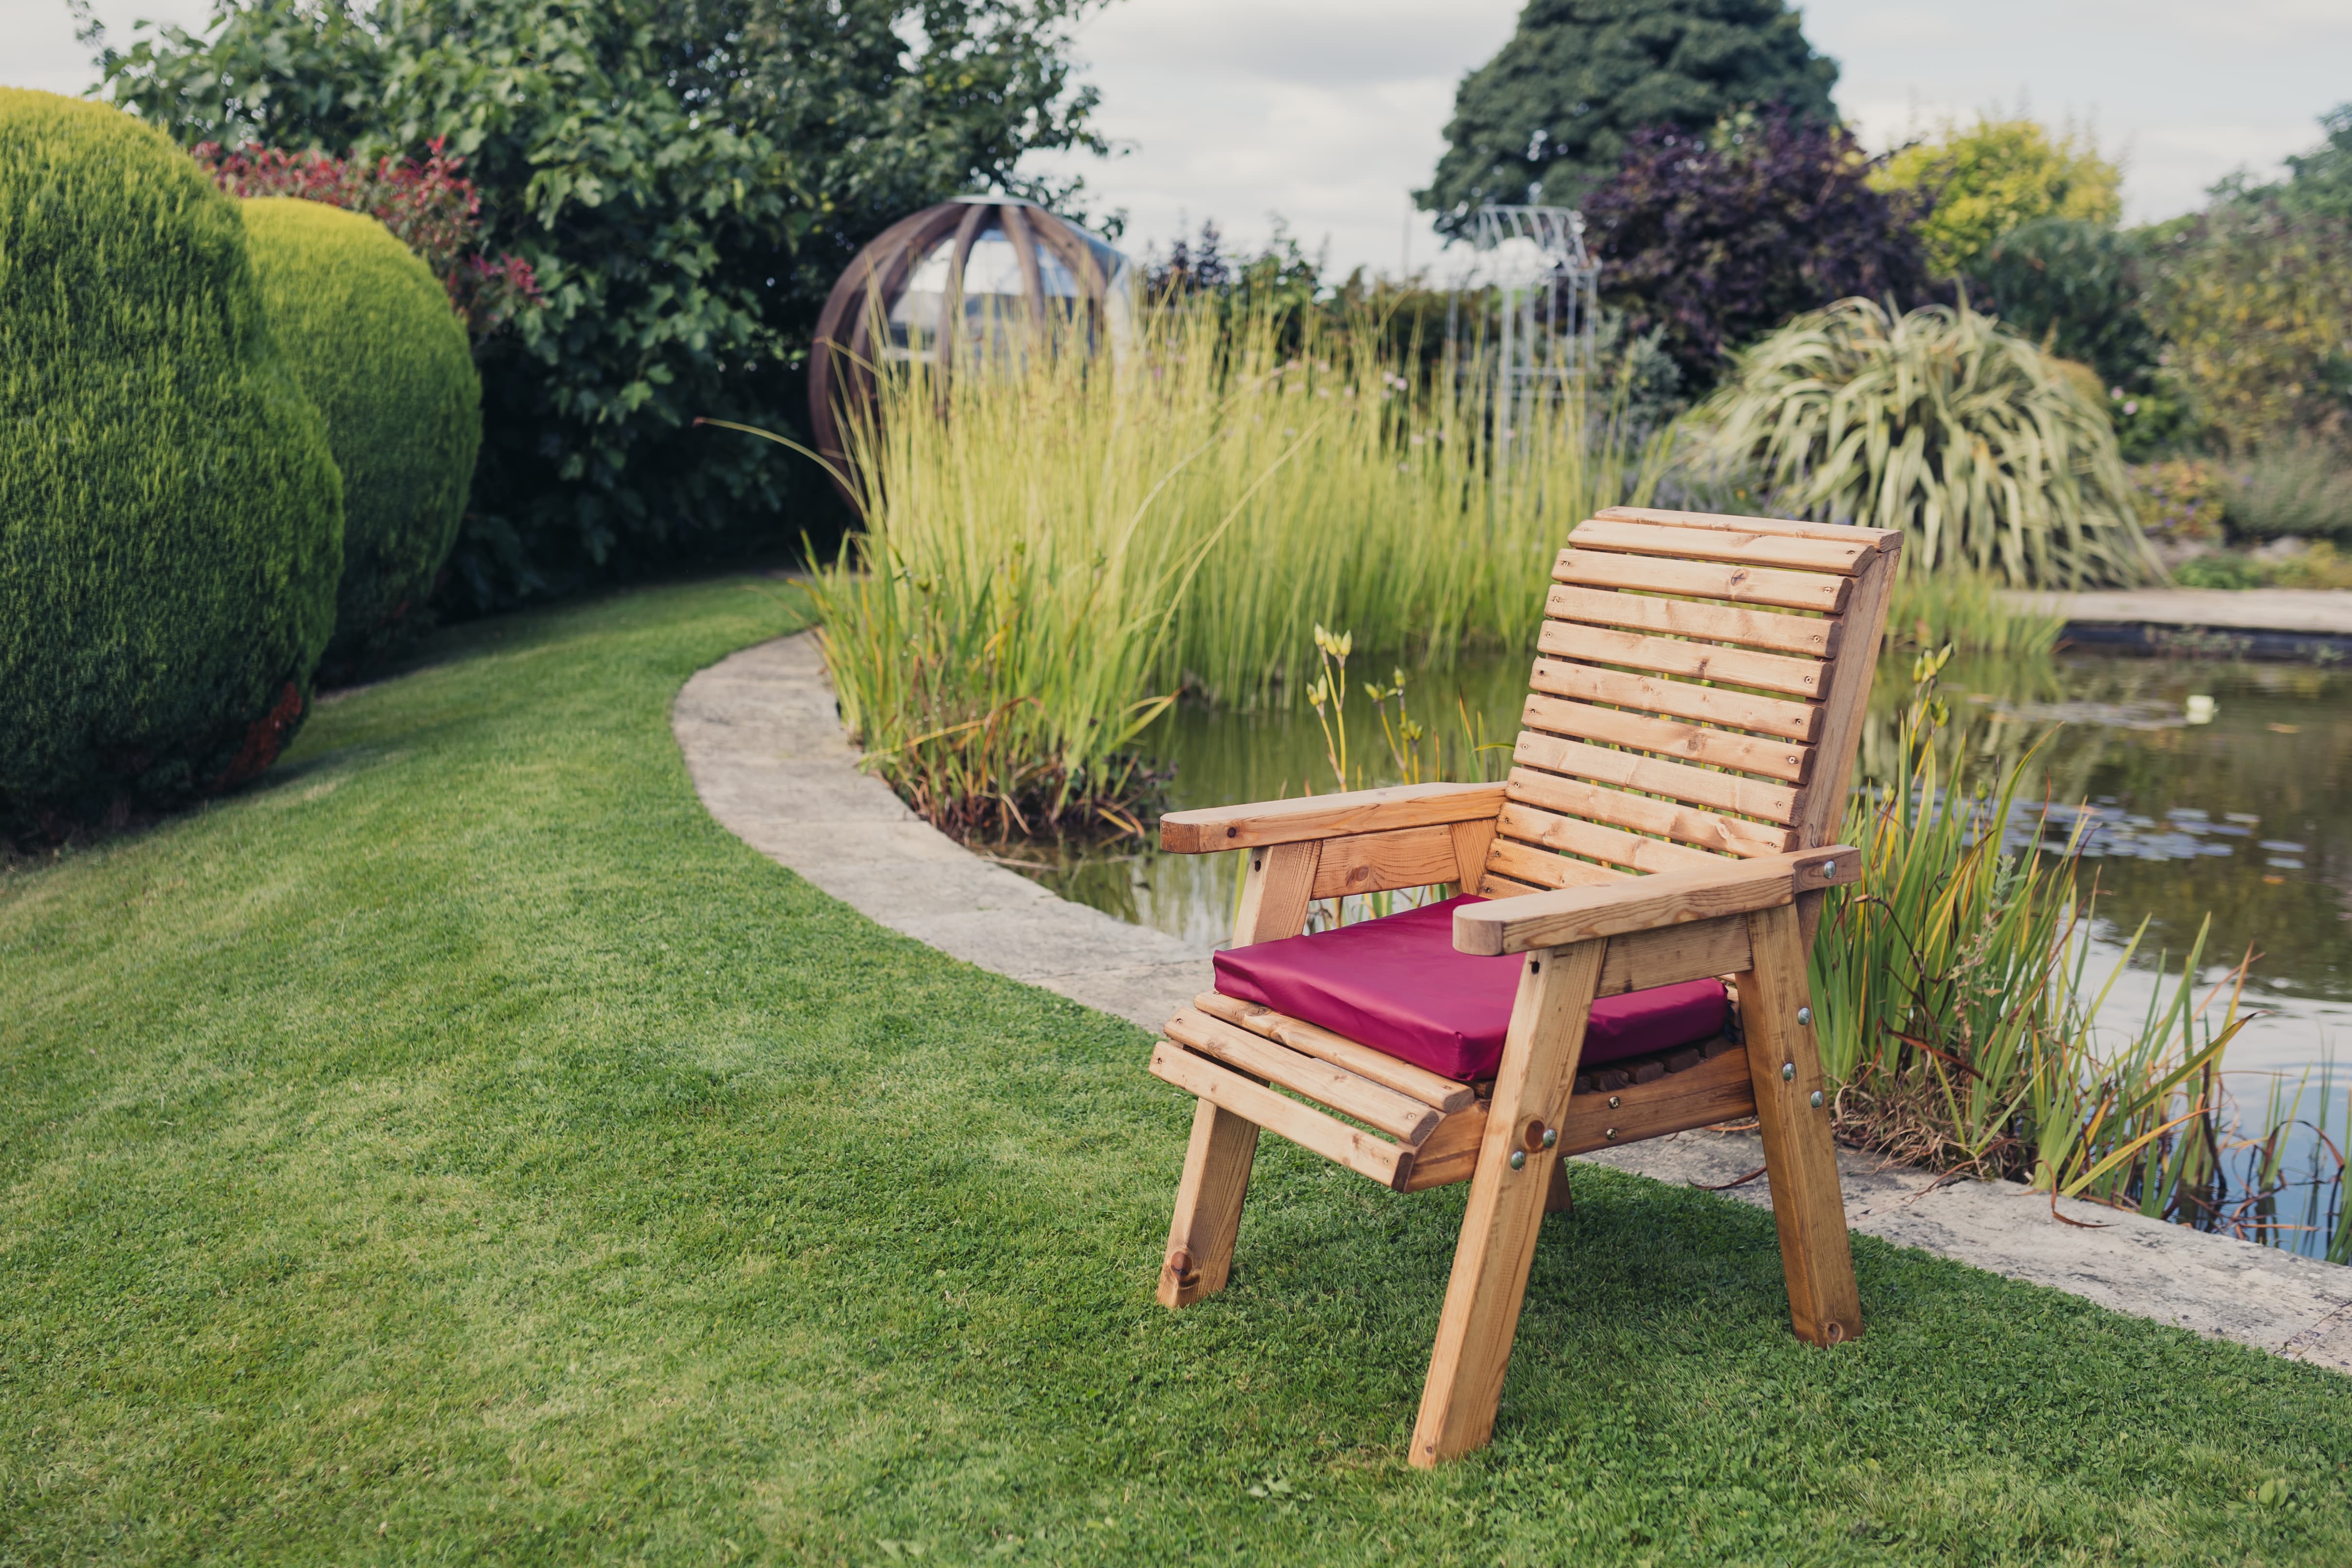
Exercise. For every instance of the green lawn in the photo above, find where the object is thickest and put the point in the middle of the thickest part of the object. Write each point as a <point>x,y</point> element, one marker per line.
<point>459,1148</point>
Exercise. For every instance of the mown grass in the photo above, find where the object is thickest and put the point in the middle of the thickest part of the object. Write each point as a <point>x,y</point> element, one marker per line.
<point>460,1149</point>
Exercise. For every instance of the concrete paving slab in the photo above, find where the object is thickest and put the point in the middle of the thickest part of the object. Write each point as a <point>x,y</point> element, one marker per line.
<point>763,741</point>
<point>2319,610</point>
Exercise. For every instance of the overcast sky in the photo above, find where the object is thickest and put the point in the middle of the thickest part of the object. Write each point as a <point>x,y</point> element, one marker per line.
<point>1329,111</point>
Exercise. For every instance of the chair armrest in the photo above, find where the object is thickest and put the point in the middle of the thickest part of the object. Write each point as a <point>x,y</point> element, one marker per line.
<point>1327,817</point>
<point>1648,903</point>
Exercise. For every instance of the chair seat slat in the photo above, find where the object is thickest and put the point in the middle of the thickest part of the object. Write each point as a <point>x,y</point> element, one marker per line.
<point>1704,579</point>
<point>1678,698</point>
<point>1399,1115</point>
<point>1678,741</point>
<point>1707,829</point>
<point>1532,824</point>
<point>1389,1072</point>
<point>1747,547</point>
<point>1718,623</point>
<point>1494,885</point>
<point>1656,776</point>
<point>1362,1152</point>
<point>1698,660</point>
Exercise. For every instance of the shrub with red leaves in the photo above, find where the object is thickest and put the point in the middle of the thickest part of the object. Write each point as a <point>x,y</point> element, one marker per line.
<point>1722,236</point>
<point>433,210</point>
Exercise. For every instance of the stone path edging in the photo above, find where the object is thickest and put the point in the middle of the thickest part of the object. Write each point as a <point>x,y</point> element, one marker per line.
<point>763,743</point>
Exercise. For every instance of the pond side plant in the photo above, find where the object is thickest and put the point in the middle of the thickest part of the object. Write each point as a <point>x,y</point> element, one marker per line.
<point>1052,549</point>
<point>1940,423</point>
<point>1956,1008</point>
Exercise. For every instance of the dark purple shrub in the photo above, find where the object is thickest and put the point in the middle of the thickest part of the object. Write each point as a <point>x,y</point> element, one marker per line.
<point>1721,236</point>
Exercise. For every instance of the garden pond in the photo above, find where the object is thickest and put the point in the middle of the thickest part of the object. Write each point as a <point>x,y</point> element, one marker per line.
<point>2203,787</point>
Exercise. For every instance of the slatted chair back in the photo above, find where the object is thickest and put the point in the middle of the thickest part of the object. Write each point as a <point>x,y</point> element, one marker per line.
<point>1697,689</point>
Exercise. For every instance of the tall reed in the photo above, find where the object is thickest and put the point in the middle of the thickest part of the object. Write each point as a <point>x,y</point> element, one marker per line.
<point>1052,549</point>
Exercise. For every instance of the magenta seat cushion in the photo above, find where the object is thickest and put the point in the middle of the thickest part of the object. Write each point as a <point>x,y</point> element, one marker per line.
<point>1397,985</point>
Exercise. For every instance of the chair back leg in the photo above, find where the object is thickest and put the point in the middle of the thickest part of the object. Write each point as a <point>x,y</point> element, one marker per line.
<point>1792,1110</point>
<point>1507,1204</point>
<point>1200,1256</point>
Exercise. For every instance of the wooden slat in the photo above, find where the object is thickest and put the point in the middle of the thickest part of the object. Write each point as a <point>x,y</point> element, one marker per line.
<point>1639,960</point>
<point>1471,842</point>
<point>1399,1115</point>
<point>1807,1207</point>
<point>1385,1163</point>
<point>1199,1258</point>
<point>1494,885</point>
<point>1275,891</point>
<point>1647,814</point>
<point>1544,869</point>
<point>1885,539</point>
<point>1703,580</point>
<point>1382,862</point>
<point>1613,845</point>
<point>1324,816</point>
<point>1715,1090</point>
<point>1678,741</point>
<point>1648,903</point>
<point>1656,776</point>
<point>1744,547</point>
<point>1440,1093</point>
<point>1451,1154</point>
<point>1679,699</point>
<point>1698,660</point>
<point>1809,635</point>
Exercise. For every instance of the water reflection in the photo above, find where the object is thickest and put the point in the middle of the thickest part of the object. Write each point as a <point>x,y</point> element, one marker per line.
<point>2236,807</point>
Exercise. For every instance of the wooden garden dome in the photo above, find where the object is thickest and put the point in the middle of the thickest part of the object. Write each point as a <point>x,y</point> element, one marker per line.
<point>995,268</point>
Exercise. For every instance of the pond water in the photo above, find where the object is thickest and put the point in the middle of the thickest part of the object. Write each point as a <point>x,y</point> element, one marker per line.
<point>2210,787</point>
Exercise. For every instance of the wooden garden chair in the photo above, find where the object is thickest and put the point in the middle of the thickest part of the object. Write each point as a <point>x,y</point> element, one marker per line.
<point>1696,701</point>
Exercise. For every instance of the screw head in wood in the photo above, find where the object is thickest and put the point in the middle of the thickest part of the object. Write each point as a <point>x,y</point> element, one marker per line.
<point>1787,1072</point>
<point>1518,1159</point>
<point>1817,1099</point>
<point>1614,1102</point>
<point>1610,1134</point>
<point>1829,869</point>
<point>1551,1136</point>
<point>1805,1015</point>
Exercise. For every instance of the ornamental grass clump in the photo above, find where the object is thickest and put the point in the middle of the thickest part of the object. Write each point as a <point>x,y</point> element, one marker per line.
<point>1940,423</point>
<point>1052,552</point>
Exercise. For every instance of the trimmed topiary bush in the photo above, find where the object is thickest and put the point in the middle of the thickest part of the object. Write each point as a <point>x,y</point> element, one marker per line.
<point>371,336</point>
<point>171,519</point>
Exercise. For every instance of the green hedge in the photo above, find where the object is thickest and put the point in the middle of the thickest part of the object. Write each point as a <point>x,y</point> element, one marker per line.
<point>370,334</point>
<point>171,519</point>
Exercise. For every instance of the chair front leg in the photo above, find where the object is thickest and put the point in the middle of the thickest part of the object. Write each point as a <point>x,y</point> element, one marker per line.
<point>1784,1065</point>
<point>1507,1203</point>
<point>1200,1256</point>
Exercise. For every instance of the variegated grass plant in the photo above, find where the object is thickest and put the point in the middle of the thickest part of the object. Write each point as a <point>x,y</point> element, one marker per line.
<point>1958,1015</point>
<point>1941,423</point>
<point>1052,549</point>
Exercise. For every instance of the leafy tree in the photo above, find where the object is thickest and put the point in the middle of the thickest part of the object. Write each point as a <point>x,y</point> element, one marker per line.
<point>685,179</point>
<point>1551,116</point>
<point>2074,287</point>
<point>1719,238</point>
<point>2318,182</point>
<point>1980,181</point>
<point>2254,302</point>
